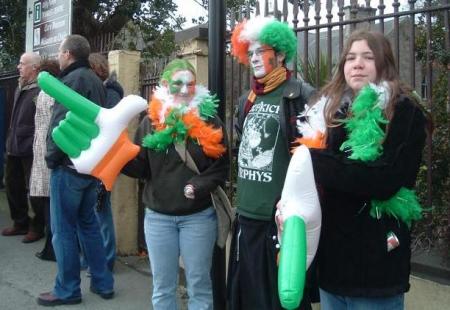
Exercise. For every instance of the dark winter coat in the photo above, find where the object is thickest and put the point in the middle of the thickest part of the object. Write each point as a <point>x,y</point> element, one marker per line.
<point>19,141</point>
<point>79,77</point>
<point>353,259</point>
<point>114,91</point>
<point>165,175</point>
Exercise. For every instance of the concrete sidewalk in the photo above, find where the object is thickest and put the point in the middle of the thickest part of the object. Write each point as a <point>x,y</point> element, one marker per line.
<point>23,277</point>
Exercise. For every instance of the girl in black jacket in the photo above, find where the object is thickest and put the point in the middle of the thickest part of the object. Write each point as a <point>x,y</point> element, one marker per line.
<point>180,220</point>
<point>375,133</point>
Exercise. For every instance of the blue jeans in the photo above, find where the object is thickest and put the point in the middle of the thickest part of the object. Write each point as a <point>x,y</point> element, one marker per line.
<point>72,200</point>
<point>330,301</point>
<point>105,220</point>
<point>191,236</point>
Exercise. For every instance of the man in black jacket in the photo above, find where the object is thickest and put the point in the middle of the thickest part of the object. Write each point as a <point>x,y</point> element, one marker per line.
<point>19,150</point>
<point>73,195</point>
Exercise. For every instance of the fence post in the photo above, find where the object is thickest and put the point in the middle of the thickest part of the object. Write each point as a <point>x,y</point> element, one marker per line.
<point>216,79</point>
<point>124,196</point>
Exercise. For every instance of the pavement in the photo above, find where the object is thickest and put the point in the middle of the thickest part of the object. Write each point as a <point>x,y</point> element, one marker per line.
<point>23,277</point>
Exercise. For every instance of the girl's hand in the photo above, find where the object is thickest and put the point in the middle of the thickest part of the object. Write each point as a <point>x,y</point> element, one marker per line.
<point>279,219</point>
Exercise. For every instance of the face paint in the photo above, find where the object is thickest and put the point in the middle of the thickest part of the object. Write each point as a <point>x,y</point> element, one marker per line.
<point>262,59</point>
<point>182,86</point>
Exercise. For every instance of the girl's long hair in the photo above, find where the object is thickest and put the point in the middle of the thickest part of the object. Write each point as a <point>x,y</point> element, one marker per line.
<point>386,71</point>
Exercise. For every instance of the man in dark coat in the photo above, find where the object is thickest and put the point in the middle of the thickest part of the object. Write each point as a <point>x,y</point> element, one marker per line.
<point>19,150</point>
<point>73,196</point>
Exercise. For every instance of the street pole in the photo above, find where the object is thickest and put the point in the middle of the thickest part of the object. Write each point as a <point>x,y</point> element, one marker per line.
<point>216,83</point>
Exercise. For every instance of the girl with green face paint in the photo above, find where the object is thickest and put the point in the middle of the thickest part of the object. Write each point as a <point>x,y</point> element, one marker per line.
<point>179,79</point>
<point>182,86</point>
<point>180,220</point>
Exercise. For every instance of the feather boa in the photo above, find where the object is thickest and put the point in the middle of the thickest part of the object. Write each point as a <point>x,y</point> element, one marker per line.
<point>174,124</point>
<point>365,143</point>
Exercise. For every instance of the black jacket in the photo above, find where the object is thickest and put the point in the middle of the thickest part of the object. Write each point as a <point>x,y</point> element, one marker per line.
<point>79,77</point>
<point>114,91</point>
<point>353,258</point>
<point>295,96</point>
<point>166,175</point>
<point>19,141</point>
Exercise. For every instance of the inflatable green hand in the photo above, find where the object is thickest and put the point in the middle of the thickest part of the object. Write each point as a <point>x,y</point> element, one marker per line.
<point>96,139</point>
<point>75,133</point>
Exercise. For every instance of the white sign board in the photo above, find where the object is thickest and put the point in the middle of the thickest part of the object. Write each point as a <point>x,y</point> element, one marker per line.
<point>51,22</point>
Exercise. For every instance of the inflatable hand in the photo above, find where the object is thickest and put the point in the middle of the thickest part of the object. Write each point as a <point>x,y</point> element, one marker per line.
<point>95,138</point>
<point>301,217</point>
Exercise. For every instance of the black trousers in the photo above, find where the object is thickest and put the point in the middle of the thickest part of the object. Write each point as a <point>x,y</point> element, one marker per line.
<point>44,202</point>
<point>17,179</point>
<point>253,271</point>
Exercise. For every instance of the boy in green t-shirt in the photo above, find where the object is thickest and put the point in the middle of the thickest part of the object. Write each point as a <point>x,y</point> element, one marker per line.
<point>267,120</point>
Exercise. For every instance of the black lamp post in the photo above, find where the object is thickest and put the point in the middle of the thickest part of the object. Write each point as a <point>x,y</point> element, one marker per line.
<point>216,84</point>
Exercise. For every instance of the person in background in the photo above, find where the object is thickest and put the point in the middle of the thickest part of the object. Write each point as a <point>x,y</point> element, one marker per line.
<point>267,119</point>
<point>180,219</point>
<point>40,174</point>
<point>73,195</point>
<point>103,212</point>
<point>366,175</point>
<point>19,154</point>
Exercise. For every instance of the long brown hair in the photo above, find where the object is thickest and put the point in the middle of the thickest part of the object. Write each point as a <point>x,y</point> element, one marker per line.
<point>386,71</point>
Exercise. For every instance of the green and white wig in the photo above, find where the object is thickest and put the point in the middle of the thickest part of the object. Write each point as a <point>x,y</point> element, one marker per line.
<point>265,30</point>
<point>174,66</point>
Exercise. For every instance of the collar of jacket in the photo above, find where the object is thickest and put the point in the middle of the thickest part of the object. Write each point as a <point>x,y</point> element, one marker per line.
<point>30,85</point>
<point>75,65</point>
<point>291,90</point>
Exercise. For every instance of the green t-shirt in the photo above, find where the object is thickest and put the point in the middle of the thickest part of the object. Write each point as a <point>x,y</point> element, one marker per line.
<point>263,158</point>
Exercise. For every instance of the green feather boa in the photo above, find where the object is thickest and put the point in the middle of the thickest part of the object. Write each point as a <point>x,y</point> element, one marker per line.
<point>366,134</point>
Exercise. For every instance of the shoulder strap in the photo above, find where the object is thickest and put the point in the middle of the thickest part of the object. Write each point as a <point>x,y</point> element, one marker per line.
<point>186,157</point>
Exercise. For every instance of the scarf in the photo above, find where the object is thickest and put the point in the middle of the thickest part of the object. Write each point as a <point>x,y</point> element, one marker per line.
<point>175,123</point>
<point>265,85</point>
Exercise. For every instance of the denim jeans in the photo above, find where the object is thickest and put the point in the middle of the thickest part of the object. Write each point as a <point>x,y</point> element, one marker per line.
<point>330,301</point>
<point>105,220</point>
<point>191,236</point>
<point>72,200</point>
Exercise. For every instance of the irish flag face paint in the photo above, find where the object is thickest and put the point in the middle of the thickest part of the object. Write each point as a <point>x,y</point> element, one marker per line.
<point>262,59</point>
<point>182,86</point>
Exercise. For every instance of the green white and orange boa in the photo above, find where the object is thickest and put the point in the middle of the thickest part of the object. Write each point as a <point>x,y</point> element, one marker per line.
<point>175,124</point>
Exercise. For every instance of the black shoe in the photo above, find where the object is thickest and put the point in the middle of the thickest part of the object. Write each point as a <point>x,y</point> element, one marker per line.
<point>50,300</point>
<point>108,295</point>
<point>43,256</point>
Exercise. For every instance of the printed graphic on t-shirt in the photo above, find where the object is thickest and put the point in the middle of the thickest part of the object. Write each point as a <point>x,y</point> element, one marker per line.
<point>261,132</point>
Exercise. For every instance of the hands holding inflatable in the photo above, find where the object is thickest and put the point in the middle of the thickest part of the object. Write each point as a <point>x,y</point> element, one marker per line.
<point>95,138</point>
<point>300,217</point>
